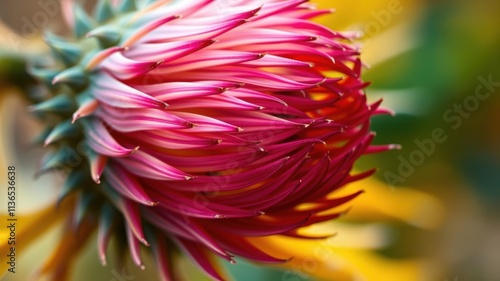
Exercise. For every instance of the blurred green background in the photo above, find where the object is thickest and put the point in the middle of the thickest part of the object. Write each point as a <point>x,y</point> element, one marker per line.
<point>437,65</point>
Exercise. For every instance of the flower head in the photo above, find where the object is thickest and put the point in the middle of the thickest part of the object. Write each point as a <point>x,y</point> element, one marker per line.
<point>204,124</point>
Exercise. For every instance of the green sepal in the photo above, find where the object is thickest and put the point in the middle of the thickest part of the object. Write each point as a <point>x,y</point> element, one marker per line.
<point>44,75</point>
<point>61,159</point>
<point>69,53</point>
<point>63,130</point>
<point>107,35</point>
<point>83,207</point>
<point>127,6</point>
<point>39,139</point>
<point>83,22</point>
<point>103,11</point>
<point>60,104</point>
<point>75,76</point>
<point>75,180</point>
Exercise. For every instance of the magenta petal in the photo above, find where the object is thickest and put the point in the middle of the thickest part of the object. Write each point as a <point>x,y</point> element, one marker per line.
<point>130,211</point>
<point>271,60</point>
<point>199,255</point>
<point>164,222</point>
<point>134,248</point>
<point>161,255</point>
<point>85,109</point>
<point>192,33</point>
<point>297,25</point>
<point>148,166</point>
<point>175,140</point>
<point>248,115</point>
<point>110,91</point>
<point>127,185</point>
<point>183,90</point>
<point>167,7</point>
<point>216,102</point>
<point>230,181</point>
<point>97,165</point>
<point>101,141</point>
<point>261,36</point>
<point>148,28</point>
<point>203,123</point>
<point>258,227</point>
<point>208,58</point>
<point>277,7</point>
<point>243,248</point>
<point>104,233</point>
<point>189,206</point>
<point>132,120</point>
<point>236,13</point>
<point>167,51</point>
<point>256,121</point>
<point>188,229</point>
<point>124,68</point>
<point>256,77</point>
<point>218,162</point>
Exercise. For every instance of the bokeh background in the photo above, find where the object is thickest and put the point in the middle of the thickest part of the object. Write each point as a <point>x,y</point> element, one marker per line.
<point>431,212</point>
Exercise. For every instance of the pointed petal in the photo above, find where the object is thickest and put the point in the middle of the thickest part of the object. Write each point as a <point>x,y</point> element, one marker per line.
<point>168,51</point>
<point>61,104</point>
<point>85,109</point>
<point>200,256</point>
<point>104,231</point>
<point>174,140</point>
<point>101,141</point>
<point>133,120</point>
<point>134,248</point>
<point>75,180</point>
<point>130,211</point>
<point>74,76</point>
<point>97,165</point>
<point>63,130</point>
<point>124,68</point>
<point>110,91</point>
<point>83,23</point>
<point>127,185</point>
<point>148,166</point>
<point>103,11</point>
<point>162,258</point>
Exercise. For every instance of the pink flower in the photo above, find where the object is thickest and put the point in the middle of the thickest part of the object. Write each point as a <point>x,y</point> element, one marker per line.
<point>205,123</point>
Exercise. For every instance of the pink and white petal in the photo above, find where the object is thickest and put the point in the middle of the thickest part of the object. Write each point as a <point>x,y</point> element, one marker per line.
<point>124,68</point>
<point>216,102</point>
<point>127,185</point>
<point>192,32</point>
<point>148,166</point>
<point>131,212</point>
<point>161,256</point>
<point>101,141</point>
<point>166,51</point>
<point>260,36</point>
<point>205,124</point>
<point>134,247</point>
<point>112,92</point>
<point>174,140</point>
<point>206,59</point>
<point>133,120</point>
